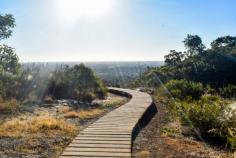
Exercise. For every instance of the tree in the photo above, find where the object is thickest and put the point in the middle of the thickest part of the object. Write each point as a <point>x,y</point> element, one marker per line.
<point>9,62</point>
<point>174,58</point>
<point>226,41</point>
<point>193,44</point>
<point>7,22</point>
<point>214,66</point>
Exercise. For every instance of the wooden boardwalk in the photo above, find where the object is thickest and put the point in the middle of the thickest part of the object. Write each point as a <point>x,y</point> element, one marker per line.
<point>111,135</point>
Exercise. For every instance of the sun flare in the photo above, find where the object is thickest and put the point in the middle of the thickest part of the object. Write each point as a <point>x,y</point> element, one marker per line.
<point>72,10</point>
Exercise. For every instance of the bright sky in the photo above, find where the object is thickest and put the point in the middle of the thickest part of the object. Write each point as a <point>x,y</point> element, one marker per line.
<point>113,30</point>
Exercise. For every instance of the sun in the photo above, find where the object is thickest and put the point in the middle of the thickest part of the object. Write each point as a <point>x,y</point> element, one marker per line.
<point>72,10</point>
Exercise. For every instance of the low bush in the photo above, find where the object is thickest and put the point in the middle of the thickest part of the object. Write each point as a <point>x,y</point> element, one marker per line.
<point>78,82</point>
<point>208,114</point>
<point>8,106</point>
<point>228,91</point>
<point>205,113</point>
<point>183,89</point>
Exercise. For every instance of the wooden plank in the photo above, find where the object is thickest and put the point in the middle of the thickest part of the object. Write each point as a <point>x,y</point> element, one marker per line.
<point>123,146</point>
<point>96,154</point>
<point>100,142</point>
<point>106,132</point>
<point>103,138</point>
<point>127,150</point>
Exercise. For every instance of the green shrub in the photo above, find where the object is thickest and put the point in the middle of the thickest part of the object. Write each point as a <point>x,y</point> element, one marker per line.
<point>211,116</point>
<point>183,89</point>
<point>89,97</point>
<point>205,113</point>
<point>228,91</point>
<point>78,82</point>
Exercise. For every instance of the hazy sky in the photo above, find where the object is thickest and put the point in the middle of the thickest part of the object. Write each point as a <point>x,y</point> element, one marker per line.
<point>105,30</point>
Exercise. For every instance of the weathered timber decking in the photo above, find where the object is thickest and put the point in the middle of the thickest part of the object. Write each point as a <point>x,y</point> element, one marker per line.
<point>111,135</point>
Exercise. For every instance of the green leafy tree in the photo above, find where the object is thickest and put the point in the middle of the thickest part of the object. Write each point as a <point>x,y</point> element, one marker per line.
<point>226,41</point>
<point>9,62</point>
<point>193,44</point>
<point>174,58</point>
<point>214,66</point>
<point>7,22</point>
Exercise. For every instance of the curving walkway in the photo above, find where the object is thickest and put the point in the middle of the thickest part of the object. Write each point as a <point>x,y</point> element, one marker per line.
<point>111,135</point>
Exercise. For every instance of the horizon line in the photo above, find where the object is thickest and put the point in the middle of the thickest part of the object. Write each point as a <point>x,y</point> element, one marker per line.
<point>91,61</point>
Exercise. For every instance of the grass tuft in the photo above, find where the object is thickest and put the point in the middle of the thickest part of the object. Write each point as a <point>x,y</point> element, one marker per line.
<point>143,154</point>
<point>8,106</point>
<point>89,113</point>
<point>39,125</point>
<point>71,114</point>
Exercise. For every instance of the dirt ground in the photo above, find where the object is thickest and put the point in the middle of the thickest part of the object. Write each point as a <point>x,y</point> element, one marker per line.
<point>48,143</point>
<point>151,142</point>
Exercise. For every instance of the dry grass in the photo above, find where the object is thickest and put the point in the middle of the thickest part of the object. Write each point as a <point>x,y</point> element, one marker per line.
<point>8,106</point>
<point>50,125</point>
<point>89,113</point>
<point>39,125</point>
<point>114,101</point>
<point>71,114</point>
<point>64,109</point>
<point>143,154</point>
<point>84,114</point>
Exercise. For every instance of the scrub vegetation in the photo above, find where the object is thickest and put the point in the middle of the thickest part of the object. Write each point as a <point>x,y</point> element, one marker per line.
<point>198,88</point>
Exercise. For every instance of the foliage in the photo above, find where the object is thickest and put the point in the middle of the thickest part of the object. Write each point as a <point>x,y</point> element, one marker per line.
<point>228,91</point>
<point>7,22</point>
<point>205,112</point>
<point>78,82</point>
<point>214,66</point>
<point>207,115</point>
<point>170,131</point>
<point>9,62</point>
<point>174,58</point>
<point>183,89</point>
<point>187,75</point>
<point>193,44</point>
